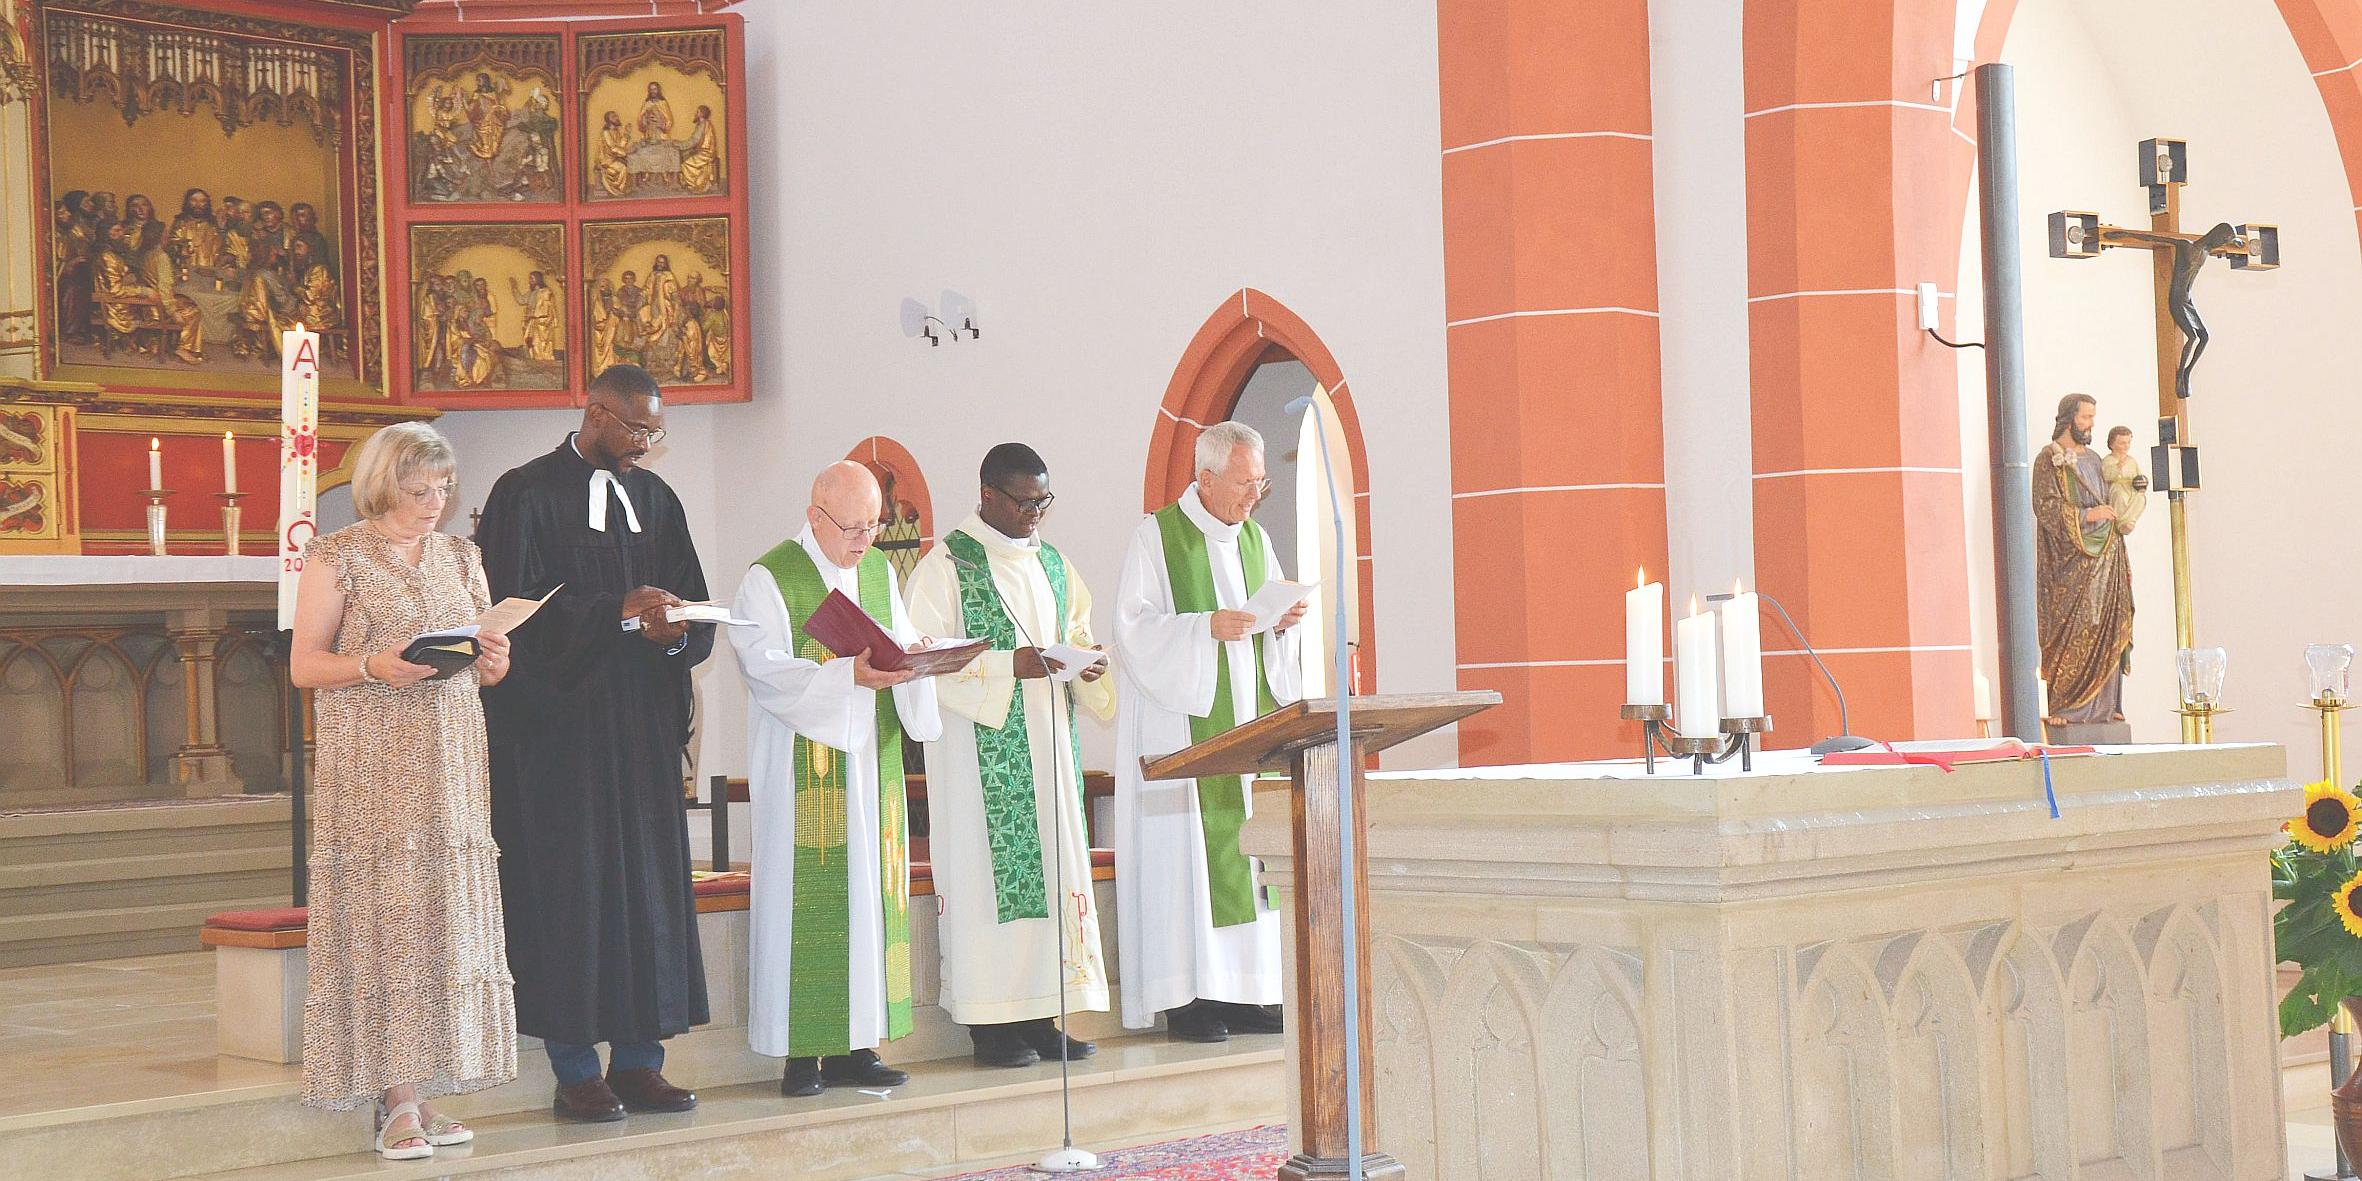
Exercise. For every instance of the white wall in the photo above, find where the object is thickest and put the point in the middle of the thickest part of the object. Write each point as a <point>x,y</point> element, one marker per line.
<point>1098,181</point>
<point>2272,551</point>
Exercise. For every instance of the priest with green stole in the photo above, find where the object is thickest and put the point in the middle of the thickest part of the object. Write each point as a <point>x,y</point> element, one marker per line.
<point>829,971</point>
<point>1199,941</point>
<point>1012,861</point>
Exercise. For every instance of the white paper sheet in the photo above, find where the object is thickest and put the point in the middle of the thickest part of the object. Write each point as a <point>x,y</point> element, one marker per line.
<point>1274,601</point>
<point>705,613</point>
<point>1072,661</point>
<point>508,615</point>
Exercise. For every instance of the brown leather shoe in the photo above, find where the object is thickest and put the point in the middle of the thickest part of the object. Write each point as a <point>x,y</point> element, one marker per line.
<point>646,1091</point>
<point>587,1102</point>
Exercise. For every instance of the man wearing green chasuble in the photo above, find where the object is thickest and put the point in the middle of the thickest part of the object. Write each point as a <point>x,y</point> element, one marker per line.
<point>829,970</point>
<point>1199,943</point>
<point>1004,784</point>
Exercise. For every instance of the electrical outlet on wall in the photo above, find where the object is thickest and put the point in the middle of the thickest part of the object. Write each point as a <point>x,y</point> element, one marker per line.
<point>1927,307</point>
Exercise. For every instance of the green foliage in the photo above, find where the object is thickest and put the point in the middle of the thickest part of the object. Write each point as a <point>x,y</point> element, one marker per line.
<point>2309,933</point>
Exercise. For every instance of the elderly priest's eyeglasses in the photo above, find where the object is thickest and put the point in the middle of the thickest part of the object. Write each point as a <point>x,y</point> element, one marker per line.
<point>852,532</point>
<point>645,436</point>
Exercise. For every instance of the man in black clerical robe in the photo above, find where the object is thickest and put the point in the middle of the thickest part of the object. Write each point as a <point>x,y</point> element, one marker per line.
<point>586,738</point>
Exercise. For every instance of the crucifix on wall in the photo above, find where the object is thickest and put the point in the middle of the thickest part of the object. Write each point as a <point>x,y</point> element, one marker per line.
<point>2176,257</point>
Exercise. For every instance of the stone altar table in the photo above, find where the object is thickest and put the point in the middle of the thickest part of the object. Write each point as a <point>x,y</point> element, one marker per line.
<point>1822,973</point>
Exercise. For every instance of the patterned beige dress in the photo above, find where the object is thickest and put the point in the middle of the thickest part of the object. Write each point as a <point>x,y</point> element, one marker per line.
<point>409,979</point>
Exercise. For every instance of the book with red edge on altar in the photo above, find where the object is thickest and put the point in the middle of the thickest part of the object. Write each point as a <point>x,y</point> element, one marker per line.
<point>844,628</point>
<point>1948,755</point>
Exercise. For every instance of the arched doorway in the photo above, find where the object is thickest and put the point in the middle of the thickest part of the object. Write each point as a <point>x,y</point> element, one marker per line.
<point>909,512</point>
<point>1250,360</point>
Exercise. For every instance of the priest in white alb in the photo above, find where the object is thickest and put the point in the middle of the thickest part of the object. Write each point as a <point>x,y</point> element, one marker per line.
<point>829,970</point>
<point>1200,942</point>
<point>1011,856</point>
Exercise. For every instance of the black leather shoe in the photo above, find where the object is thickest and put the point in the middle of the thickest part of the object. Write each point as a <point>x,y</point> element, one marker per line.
<point>1044,1039</point>
<point>647,1091</point>
<point>1195,1022</point>
<point>587,1102</point>
<point>1002,1046</point>
<point>802,1080</point>
<point>861,1068</point>
<point>1249,1018</point>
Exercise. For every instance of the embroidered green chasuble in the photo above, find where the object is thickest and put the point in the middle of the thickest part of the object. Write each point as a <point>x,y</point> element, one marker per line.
<point>1221,799</point>
<point>1004,756</point>
<point>819,992</point>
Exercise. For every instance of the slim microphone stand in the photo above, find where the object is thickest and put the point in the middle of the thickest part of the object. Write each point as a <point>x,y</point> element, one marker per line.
<point>1066,1158</point>
<point>1341,689</point>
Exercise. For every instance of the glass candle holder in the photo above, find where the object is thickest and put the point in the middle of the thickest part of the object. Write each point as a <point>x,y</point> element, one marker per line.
<point>2201,671</point>
<point>2327,665</point>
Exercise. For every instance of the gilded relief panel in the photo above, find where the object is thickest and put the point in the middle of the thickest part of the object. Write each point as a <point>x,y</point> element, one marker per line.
<point>657,294</point>
<point>201,174</point>
<point>485,307</point>
<point>653,109</point>
<point>483,117</point>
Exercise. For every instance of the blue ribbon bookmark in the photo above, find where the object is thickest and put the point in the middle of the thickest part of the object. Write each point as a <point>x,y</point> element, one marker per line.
<point>2049,792</point>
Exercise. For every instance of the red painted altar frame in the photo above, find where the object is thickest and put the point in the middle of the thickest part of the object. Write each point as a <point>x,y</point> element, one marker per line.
<point>573,212</point>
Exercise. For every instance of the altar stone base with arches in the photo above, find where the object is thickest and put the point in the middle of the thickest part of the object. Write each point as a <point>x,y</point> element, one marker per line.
<point>1822,972</point>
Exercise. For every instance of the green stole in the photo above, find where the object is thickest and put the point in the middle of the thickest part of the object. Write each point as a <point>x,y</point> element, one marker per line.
<point>819,992</point>
<point>1004,756</point>
<point>1221,799</point>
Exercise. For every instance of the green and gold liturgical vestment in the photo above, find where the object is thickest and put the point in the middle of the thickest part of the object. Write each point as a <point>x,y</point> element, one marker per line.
<point>1221,799</point>
<point>831,835</point>
<point>1004,754</point>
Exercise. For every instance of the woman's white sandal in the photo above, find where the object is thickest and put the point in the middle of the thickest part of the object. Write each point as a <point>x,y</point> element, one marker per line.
<point>442,1131</point>
<point>419,1151</point>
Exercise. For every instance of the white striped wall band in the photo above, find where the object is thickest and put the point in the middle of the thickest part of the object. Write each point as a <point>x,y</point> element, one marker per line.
<point>1896,103</point>
<point>1471,495</point>
<point>1857,471</point>
<point>1610,310</point>
<point>1642,136</point>
<point>1841,291</point>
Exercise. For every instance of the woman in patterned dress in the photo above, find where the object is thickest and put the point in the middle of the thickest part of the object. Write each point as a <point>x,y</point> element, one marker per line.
<point>410,995</point>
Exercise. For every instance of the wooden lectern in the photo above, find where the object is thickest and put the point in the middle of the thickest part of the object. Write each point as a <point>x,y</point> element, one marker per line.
<point>1302,738</point>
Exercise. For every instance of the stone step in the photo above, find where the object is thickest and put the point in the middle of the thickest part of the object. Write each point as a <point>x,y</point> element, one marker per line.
<point>83,884</point>
<point>1138,1089</point>
<point>78,935</point>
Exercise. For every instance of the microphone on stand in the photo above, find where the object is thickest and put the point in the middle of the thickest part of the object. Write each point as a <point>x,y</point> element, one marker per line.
<point>1067,1158</point>
<point>1844,738</point>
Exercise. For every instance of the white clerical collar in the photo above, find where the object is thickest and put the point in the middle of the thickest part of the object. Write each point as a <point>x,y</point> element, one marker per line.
<point>980,529</point>
<point>601,481</point>
<point>829,570</point>
<point>1215,528</point>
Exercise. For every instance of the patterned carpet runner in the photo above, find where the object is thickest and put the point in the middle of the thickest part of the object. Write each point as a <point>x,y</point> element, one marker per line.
<point>1252,1155</point>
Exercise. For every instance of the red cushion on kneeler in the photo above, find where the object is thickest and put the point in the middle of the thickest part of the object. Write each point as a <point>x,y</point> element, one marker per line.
<point>281,918</point>
<point>1102,858</point>
<point>721,884</point>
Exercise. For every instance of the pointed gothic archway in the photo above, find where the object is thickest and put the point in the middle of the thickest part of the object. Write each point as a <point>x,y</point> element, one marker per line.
<point>1249,331</point>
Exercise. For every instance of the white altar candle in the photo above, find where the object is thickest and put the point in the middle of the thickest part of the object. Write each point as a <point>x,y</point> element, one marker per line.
<point>1644,643</point>
<point>1742,655</point>
<point>1695,714</point>
<point>155,463</point>
<point>229,462</point>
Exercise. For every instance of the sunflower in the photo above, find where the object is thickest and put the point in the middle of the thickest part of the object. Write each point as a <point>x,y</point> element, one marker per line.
<point>2347,901</point>
<point>2328,823</point>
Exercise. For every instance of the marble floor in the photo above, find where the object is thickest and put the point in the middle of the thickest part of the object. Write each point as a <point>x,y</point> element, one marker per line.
<point>140,1032</point>
<point>115,1031</point>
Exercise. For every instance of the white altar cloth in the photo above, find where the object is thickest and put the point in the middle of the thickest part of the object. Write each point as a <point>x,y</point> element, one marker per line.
<point>135,570</point>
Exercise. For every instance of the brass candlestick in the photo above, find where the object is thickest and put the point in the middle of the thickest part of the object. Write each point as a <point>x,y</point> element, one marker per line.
<point>155,498</point>
<point>2329,705</point>
<point>229,520</point>
<point>2201,715</point>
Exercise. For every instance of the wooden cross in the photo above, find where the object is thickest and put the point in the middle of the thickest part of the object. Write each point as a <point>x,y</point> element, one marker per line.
<point>2176,257</point>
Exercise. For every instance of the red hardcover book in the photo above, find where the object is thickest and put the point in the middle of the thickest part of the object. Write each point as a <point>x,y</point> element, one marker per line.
<point>844,628</point>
